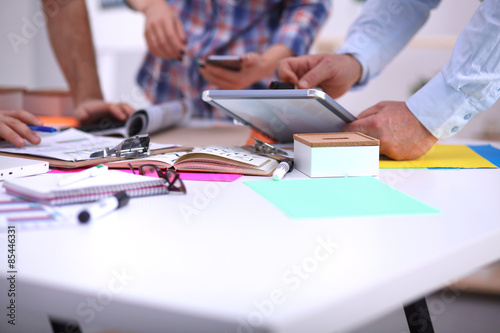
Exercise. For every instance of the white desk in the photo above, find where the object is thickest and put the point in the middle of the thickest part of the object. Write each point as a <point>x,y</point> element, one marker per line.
<point>224,259</point>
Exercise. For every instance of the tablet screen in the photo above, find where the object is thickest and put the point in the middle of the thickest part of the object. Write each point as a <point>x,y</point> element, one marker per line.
<point>279,115</point>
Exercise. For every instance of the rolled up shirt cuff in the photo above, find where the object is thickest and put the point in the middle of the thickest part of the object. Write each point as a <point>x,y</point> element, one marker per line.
<point>442,109</point>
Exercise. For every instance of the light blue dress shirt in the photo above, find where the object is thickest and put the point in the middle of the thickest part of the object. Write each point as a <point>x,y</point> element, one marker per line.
<point>468,83</point>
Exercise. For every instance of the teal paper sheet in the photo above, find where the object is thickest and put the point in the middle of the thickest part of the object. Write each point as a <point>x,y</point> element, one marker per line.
<point>338,197</point>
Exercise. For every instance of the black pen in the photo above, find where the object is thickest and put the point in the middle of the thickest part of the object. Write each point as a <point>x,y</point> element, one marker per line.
<point>103,207</point>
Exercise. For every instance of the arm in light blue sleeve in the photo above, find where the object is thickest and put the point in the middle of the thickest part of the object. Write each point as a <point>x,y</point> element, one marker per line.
<point>469,82</point>
<point>382,30</point>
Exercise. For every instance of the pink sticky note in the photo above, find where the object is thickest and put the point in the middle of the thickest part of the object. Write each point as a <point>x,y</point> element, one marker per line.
<point>66,170</point>
<point>81,169</point>
<point>214,177</point>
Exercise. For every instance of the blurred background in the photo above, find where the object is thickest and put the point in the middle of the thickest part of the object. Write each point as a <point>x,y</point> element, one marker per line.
<point>120,47</point>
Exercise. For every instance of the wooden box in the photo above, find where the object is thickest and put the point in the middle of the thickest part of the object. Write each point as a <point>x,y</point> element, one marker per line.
<point>336,154</point>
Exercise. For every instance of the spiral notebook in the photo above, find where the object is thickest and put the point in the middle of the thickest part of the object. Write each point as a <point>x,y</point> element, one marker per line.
<point>45,188</point>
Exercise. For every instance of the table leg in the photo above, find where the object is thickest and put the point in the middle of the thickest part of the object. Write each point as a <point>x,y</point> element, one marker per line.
<point>62,325</point>
<point>418,318</point>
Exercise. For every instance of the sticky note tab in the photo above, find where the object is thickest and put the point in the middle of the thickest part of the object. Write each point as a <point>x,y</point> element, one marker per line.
<point>338,197</point>
<point>214,177</point>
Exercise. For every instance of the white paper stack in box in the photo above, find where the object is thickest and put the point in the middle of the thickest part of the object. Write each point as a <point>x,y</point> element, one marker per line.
<point>336,154</point>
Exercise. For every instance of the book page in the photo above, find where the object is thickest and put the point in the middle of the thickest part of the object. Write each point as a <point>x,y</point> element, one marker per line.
<point>152,119</point>
<point>166,115</point>
<point>235,154</point>
<point>211,158</point>
<point>165,160</point>
<point>206,164</point>
<point>69,145</point>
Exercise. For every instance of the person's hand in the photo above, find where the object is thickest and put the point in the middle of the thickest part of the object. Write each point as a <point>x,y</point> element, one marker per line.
<point>164,32</point>
<point>13,127</point>
<point>254,67</point>
<point>401,135</point>
<point>92,110</point>
<point>334,73</point>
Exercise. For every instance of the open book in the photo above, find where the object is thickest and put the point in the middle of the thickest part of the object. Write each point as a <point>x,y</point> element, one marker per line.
<point>217,159</point>
<point>148,120</point>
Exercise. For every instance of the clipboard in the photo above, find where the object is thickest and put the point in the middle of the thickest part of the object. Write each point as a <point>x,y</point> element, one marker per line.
<point>72,149</point>
<point>56,163</point>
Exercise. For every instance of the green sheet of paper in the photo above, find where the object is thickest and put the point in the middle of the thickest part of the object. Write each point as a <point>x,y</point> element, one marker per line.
<point>443,156</point>
<point>338,197</point>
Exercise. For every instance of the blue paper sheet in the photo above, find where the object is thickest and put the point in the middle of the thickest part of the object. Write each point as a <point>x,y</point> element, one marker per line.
<point>489,152</point>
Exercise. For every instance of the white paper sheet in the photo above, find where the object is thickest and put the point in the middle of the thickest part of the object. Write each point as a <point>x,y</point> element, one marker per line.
<point>70,145</point>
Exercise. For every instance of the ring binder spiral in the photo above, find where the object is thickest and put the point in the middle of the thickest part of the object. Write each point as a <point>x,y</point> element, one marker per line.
<point>45,188</point>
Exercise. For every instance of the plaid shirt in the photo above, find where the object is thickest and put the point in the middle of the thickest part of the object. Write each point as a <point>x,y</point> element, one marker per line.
<point>231,27</point>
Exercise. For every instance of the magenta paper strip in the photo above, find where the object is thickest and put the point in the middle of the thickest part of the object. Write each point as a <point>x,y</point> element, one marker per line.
<point>214,177</point>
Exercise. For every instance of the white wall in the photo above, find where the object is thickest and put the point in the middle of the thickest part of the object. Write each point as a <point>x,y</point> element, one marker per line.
<point>120,47</point>
<point>26,58</point>
<point>422,59</point>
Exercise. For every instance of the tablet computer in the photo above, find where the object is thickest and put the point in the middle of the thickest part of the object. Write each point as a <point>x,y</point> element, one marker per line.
<point>281,113</point>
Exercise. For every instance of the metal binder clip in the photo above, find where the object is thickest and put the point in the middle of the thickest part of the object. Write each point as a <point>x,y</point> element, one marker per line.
<point>133,147</point>
<point>261,147</point>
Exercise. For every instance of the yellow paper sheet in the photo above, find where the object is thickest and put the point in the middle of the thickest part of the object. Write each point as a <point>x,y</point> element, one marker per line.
<point>442,156</point>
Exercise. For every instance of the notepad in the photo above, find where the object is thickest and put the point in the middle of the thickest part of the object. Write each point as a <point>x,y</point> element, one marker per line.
<point>45,189</point>
<point>27,214</point>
